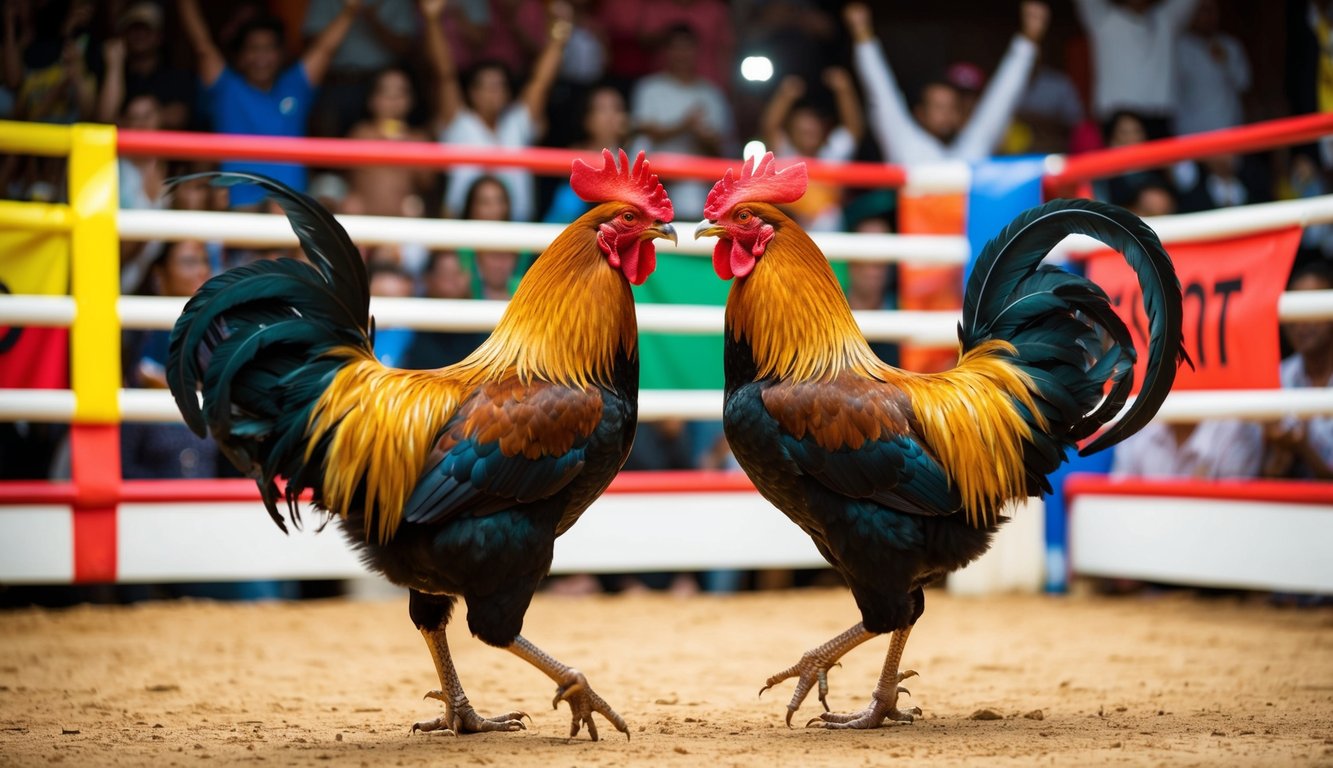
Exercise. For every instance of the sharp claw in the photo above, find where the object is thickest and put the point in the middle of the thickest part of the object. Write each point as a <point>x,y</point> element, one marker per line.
<point>813,721</point>
<point>790,712</point>
<point>906,674</point>
<point>904,690</point>
<point>762,690</point>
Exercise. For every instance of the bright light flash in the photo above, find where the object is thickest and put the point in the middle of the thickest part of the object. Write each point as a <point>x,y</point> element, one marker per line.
<point>756,68</point>
<point>754,148</point>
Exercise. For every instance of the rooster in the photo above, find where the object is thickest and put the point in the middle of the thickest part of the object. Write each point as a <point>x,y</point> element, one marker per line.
<point>898,477</point>
<point>452,482</point>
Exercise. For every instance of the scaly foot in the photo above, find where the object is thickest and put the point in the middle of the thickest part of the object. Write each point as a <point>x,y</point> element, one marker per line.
<point>873,716</point>
<point>583,702</point>
<point>810,671</point>
<point>460,718</point>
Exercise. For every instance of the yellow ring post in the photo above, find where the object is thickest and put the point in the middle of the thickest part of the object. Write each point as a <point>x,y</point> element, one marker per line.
<point>94,274</point>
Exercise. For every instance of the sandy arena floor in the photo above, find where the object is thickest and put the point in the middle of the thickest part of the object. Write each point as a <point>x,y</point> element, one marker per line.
<point>1078,681</point>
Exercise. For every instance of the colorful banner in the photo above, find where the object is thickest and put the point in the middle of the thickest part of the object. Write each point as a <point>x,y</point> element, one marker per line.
<point>930,288</point>
<point>1231,290</point>
<point>34,263</point>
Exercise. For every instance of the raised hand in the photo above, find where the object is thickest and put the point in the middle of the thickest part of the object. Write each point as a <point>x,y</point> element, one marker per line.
<point>1034,18</point>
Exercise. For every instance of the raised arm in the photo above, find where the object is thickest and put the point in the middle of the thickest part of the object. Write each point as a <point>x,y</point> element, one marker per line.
<point>544,72</point>
<point>208,57</point>
<point>779,106</point>
<point>990,119</point>
<point>320,52</point>
<point>448,91</point>
<point>112,94</point>
<point>847,101</point>
<point>900,138</point>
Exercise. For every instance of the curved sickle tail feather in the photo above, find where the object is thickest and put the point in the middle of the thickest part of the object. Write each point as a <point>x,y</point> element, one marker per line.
<point>1066,336</point>
<point>257,340</point>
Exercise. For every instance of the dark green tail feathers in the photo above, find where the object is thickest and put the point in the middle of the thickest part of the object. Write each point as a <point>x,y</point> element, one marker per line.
<point>1067,336</point>
<point>254,340</point>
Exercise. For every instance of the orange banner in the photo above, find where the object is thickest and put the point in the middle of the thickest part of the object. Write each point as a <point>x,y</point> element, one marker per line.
<point>1231,289</point>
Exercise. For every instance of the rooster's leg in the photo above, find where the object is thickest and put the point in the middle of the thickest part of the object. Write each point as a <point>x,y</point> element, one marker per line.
<point>884,701</point>
<point>571,686</point>
<point>814,666</point>
<point>459,717</point>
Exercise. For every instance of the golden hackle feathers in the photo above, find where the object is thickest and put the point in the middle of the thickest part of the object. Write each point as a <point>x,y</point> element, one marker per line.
<point>569,320</point>
<point>793,314</point>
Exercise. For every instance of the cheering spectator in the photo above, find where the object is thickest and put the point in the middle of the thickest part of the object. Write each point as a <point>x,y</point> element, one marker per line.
<point>939,130</point>
<point>385,190</point>
<point>1212,72</point>
<point>1219,181</point>
<point>382,35</point>
<point>1304,447</point>
<point>792,128</point>
<point>1134,57</point>
<point>489,116</point>
<point>605,126</point>
<point>259,96</point>
<point>136,64</point>
<point>677,110</point>
<point>445,277</point>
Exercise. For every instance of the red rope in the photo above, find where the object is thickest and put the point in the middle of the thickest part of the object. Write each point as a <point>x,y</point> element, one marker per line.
<point>348,152</point>
<point>1155,154</point>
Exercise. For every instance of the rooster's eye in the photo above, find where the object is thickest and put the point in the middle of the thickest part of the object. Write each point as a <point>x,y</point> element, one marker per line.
<point>628,217</point>
<point>743,216</point>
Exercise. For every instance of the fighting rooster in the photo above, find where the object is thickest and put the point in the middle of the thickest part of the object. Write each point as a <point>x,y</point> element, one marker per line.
<point>899,477</point>
<point>453,482</point>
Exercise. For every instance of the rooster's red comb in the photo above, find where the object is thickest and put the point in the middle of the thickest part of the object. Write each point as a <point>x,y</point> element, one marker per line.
<point>637,185</point>
<point>760,182</point>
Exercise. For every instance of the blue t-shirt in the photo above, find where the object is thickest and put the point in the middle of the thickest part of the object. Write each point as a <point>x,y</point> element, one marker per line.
<point>238,107</point>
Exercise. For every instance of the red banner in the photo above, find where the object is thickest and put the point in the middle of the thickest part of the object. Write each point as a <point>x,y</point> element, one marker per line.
<point>1231,289</point>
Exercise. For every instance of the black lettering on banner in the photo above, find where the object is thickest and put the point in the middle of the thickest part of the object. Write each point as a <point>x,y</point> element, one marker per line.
<point>1225,288</point>
<point>1194,289</point>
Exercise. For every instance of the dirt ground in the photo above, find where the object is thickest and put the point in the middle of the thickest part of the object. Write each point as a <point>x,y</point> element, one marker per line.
<point>1174,680</point>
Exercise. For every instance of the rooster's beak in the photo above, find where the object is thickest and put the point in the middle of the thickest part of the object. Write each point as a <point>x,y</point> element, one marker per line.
<point>707,228</point>
<point>664,231</point>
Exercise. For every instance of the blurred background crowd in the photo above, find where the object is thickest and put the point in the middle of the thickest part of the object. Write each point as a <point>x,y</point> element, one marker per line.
<point>831,80</point>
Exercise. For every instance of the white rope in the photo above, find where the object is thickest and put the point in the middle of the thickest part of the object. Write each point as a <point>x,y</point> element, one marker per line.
<point>264,230</point>
<point>156,405</point>
<point>924,328</point>
<point>1224,223</point>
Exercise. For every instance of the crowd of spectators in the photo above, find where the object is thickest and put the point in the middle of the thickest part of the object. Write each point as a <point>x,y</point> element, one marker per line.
<point>659,75</point>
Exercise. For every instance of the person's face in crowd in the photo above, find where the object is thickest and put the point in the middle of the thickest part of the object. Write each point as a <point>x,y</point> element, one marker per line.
<point>495,268</point>
<point>869,278</point>
<point>1311,337</point>
<point>490,202</point>
<point>448,279</point>
<point>805,131</point>
<point>607,121</point>
<point>260,57</point>
<point>939,111</point>
<point>394,284</point>
<point>1153,201</point>
<point>392,97</point>
<point>184,270</point>
<point>489,93</point>
<point>1127,130</point>
<point>142,113</point>
<point>193,195</point>
<point>681,56</point>
<point>1221,165</point>
<point>141,39</point>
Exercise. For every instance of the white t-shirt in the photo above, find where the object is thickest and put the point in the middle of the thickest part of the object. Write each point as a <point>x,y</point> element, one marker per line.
<point>515,129</point>
<point>1208,91</point>
<point>903,140</point>
<point>1218,448</point>
<point>1133,55</point>
<point>1319,428</point>
<point>661,99</point>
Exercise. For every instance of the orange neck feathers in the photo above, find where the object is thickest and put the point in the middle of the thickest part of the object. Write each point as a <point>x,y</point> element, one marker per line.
<point>571,316</point>
<point>793,313</point>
